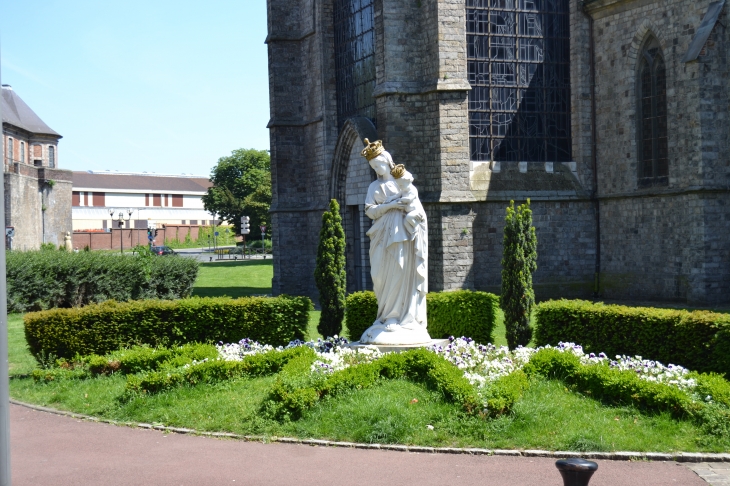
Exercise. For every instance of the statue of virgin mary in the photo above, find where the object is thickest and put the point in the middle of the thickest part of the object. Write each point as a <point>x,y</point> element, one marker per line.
<point>398,253</point>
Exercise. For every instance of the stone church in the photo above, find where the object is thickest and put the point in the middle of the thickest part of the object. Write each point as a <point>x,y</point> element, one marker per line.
<point>611,116</point>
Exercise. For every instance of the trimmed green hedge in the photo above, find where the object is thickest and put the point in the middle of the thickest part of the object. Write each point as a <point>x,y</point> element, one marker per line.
<point>40,280</point>
<point>106,327</point>
<point>698,340</point>
<point>459,313</point>
<point>215,371</point>
<point>624,387</point>
<point>295,390</point>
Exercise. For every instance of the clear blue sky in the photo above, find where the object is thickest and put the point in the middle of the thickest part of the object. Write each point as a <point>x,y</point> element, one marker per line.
<point>157,85</point>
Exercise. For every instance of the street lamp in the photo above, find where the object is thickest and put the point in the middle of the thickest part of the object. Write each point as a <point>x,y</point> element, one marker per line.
<point>121,227</point>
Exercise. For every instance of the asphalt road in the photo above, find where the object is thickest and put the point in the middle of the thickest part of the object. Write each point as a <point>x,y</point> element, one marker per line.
<point>49,449</point>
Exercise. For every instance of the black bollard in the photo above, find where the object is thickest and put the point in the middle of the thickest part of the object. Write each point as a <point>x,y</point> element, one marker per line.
<point>576,472</point>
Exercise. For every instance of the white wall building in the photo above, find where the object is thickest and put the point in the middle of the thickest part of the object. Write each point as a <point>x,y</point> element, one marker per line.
<point>163,199</point>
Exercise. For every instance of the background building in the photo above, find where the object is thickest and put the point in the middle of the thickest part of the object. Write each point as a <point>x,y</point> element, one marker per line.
<point>611,116</point>
<point>163,199</point>
<point>37,192</point>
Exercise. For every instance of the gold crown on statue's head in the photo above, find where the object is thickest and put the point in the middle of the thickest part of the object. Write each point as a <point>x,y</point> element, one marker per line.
<point>372,149</point>
<point>398,171</point>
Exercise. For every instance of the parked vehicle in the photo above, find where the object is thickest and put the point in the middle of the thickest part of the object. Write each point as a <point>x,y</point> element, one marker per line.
<point>162,250</point>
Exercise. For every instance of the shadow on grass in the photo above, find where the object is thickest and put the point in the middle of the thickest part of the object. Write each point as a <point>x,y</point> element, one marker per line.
<point>238,263</point>
<point>230,291</point>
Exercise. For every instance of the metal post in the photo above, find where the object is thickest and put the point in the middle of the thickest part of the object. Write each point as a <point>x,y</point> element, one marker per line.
<point>4,368</point>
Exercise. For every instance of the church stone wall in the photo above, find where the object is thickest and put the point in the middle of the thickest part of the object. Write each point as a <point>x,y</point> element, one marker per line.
<point>662,243</point>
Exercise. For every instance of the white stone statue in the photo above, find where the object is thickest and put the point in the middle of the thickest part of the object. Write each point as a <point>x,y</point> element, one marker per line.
<point>67,242</point>
<point>398,253</point>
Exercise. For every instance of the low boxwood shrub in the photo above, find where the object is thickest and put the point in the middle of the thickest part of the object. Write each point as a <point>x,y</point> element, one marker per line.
<point>610,385</point>
<point>698,340</point>
<point>216,371</point>
<point>145,358</point>
<point>110,326</point>
<point>459,313</point>
<point>296,390</point>
<point>40,280</point>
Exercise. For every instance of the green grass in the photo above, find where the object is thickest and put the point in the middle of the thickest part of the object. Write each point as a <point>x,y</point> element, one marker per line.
<point>234,279</point>
<point>548,416</point>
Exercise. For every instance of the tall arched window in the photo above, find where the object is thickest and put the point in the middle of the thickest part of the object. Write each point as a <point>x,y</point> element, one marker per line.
<point>653,152</point>
<point>11,156</point>
<point>51,156</point>
<point>22,152</point>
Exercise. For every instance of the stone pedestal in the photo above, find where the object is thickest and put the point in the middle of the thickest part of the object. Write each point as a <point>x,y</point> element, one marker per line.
<point>397,348</point>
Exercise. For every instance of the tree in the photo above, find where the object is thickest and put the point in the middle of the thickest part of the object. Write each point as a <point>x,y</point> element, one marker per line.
<point>241,187</point>
<point>519,262</point>
<point>329,274</point>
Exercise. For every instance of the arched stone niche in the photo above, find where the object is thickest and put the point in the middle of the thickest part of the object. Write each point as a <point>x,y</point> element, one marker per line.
<point>351,176</point>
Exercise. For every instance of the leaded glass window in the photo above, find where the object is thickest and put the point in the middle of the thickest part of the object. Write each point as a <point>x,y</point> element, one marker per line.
<point>354,58</point>
<point>519,69</point>
<point>653,152</point>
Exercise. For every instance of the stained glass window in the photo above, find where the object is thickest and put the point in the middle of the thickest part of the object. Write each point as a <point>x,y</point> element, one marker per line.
<point>652,106</point>
<point>519,69</point>
<point>354,58</point>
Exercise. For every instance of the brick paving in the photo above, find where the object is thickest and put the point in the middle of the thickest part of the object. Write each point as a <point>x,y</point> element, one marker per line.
<point>715,473</point>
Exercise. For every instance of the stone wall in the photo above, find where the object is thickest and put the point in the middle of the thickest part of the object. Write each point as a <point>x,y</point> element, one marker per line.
<point>663,243</point>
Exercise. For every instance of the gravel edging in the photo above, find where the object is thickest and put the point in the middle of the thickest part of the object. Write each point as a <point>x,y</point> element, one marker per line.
<point>606,456</point>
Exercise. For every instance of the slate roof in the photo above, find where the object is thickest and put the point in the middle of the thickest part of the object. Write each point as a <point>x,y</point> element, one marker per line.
<point>18,114</point>
<point>150,183</point>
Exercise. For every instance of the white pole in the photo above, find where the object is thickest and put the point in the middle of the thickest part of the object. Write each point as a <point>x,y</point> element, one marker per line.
<point>4,370</point>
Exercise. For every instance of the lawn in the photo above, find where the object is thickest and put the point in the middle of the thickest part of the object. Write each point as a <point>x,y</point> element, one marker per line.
<point>234,278</point>
<point>548,416</point>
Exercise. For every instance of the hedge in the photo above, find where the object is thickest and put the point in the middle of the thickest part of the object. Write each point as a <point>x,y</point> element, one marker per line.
<point>214,371</point>
<point>459,313</point>
<point>296,390</point>
<point>624,387</point>
<point>109,326</point>
<point>39,280</point>
<point>698,340</point>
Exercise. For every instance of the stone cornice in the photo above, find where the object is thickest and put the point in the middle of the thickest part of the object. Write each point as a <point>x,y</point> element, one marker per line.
<point>592,6</point>
<point>288,37</point>
<point>420,88</point>
<point>280,122</point>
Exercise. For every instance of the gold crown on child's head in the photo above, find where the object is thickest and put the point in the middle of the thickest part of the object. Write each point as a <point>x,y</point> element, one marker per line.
<point>398,171</point>
<point>372,149</point>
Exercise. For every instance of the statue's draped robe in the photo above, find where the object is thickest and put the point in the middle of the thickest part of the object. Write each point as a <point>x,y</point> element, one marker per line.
<point>398,260</point>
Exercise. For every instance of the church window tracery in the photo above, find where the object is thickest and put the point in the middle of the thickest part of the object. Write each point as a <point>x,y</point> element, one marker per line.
<point>354,59</point>
<point>653,151</point>
<point>519,69</point>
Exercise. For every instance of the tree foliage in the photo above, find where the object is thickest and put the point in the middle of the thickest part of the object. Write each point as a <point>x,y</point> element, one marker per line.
<point>519,262</point>
<point>329,274</point>
<point>241,187</point>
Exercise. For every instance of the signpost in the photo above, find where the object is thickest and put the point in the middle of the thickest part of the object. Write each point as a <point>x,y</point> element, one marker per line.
<point>263,244</point>
<point>245,229</point>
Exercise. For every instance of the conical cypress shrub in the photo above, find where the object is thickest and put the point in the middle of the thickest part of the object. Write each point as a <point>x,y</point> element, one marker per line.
<point>519,262</point>
<point>329,273</point>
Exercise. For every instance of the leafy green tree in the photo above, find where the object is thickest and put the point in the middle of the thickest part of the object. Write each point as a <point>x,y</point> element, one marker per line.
<point>241,187</point>
<point>329,274</point>
<point>519,262</point>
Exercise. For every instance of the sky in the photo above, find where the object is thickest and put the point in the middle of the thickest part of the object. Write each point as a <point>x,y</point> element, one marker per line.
<point>165,86</point>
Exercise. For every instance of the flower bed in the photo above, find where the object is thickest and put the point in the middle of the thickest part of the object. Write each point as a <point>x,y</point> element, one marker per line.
<point>483,379</point>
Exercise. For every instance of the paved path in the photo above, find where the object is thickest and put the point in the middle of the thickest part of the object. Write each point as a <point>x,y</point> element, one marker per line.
<point>717,474</point>
<point>49,449</point>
